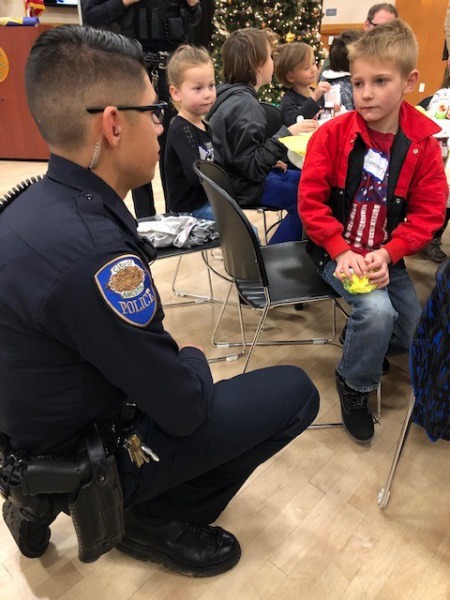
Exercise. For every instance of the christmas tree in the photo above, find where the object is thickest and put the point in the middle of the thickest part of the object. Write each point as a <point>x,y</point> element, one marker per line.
<point>292,20</point>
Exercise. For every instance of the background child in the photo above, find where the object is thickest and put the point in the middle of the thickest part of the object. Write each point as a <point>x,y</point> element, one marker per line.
<point>439,108</point>
<point>190,74</point>
<point>296,70</point>
<point>339,71</point>
<point>239,131</point>
<point>373,190</point>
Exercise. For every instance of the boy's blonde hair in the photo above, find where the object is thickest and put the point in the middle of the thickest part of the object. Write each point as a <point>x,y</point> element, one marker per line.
<point>392,42</point>
<point>288,57</point>
<point>244,52</point>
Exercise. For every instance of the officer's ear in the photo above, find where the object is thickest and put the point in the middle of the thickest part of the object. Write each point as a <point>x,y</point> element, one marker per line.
<point>112,130</point>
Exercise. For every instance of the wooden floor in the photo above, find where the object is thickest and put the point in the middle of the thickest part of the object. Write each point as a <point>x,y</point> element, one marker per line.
<point>308,519</point>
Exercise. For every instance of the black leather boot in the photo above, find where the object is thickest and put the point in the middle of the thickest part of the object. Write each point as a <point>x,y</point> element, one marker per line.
<point>187,548</point>
<point>32,536</point>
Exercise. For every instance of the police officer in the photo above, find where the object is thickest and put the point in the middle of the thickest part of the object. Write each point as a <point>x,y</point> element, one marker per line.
<point>81,321</point>
<point>160,26</point>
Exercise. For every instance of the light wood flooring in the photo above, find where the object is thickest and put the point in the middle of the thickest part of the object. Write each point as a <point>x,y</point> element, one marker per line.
<point>308,519</point>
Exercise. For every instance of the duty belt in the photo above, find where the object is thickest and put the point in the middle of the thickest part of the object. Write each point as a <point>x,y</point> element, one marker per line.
<point>157,59</point>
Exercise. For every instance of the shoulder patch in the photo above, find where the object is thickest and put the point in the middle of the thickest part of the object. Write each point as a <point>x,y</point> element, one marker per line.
<point>126,287</point>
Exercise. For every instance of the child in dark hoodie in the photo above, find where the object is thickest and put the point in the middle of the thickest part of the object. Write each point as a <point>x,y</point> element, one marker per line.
<point>239,131</point>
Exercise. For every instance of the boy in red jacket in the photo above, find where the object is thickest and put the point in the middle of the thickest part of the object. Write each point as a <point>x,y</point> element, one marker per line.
<point>373,190</point>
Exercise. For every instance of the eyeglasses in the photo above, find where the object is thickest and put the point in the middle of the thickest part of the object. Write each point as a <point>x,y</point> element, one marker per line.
<point>157,110</point>
<point>374,24</point>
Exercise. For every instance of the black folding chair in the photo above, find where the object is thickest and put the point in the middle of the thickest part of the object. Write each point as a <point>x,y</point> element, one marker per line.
<point>264,277</point>
<point>273,118</point>
<point>174,251</point>
<point>221,177</point>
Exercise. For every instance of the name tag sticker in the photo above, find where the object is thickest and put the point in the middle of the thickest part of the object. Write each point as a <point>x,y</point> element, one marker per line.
<point>376,164</point>
<point>126,287</point>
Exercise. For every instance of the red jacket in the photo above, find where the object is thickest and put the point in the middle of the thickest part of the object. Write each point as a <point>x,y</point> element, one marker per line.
<point>416,205</point>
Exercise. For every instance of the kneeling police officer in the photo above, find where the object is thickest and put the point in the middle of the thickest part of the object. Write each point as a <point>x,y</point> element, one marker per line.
<point>103,415</point>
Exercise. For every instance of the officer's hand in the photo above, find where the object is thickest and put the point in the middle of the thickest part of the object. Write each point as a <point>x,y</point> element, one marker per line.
<point>129,2</point>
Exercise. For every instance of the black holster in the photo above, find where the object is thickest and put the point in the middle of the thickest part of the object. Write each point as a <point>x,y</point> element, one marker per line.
<point>97,510</point>
<point>89,488</point>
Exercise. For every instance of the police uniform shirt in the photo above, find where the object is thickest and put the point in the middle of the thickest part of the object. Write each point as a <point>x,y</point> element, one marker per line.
<point>81,320</point>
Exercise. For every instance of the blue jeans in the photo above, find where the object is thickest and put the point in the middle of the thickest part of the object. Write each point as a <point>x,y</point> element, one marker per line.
<point>381,322</point>
<point>280,192</point>
<point>204,212</point>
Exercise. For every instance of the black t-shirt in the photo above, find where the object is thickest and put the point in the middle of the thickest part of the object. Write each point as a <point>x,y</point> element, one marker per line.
<point>185,144</point>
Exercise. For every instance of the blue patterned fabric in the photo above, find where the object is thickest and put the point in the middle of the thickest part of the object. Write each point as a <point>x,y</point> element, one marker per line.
<point>430,360</point>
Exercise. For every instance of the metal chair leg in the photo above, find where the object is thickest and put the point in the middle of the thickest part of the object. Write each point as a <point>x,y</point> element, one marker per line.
<point>378,413</point>
<point>325,425</point>
<point>197,299</point>
<point>385,492</point>
<point>235,356</point>
<point>258,331</point>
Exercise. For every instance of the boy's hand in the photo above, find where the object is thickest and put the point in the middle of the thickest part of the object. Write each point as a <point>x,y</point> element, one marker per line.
<point>350,262</point>
<point>322,88</point>
<point>377,267</point>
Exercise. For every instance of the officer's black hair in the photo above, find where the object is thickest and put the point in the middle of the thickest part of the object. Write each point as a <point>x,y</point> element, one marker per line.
<point>73,66</point>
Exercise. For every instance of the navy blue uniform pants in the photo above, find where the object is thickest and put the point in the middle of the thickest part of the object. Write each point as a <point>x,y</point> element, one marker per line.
<point>252,417</point>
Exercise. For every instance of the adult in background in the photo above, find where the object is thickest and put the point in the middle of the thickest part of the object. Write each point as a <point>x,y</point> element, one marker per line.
<point>377,15</point>
<point>83,340</point>
<point>160,26</point>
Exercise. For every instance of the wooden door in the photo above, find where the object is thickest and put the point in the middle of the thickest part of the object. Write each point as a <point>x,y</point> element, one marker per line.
<point>426,18</point>
<point>19,136</point>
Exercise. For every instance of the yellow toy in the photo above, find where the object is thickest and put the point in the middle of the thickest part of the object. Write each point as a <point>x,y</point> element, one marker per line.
<point>358,285</point>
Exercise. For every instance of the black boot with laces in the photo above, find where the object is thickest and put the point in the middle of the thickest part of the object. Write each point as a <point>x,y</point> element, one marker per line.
<point>357,420</point>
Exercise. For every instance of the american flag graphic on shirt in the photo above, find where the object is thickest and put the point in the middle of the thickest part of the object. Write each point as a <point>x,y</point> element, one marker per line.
<point>365,229</point>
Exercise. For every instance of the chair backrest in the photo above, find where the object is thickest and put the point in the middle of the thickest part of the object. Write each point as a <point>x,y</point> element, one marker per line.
<point>273,118</point>
<point>241,252</point>
<point>425,102</point>
<point>218,174</point>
